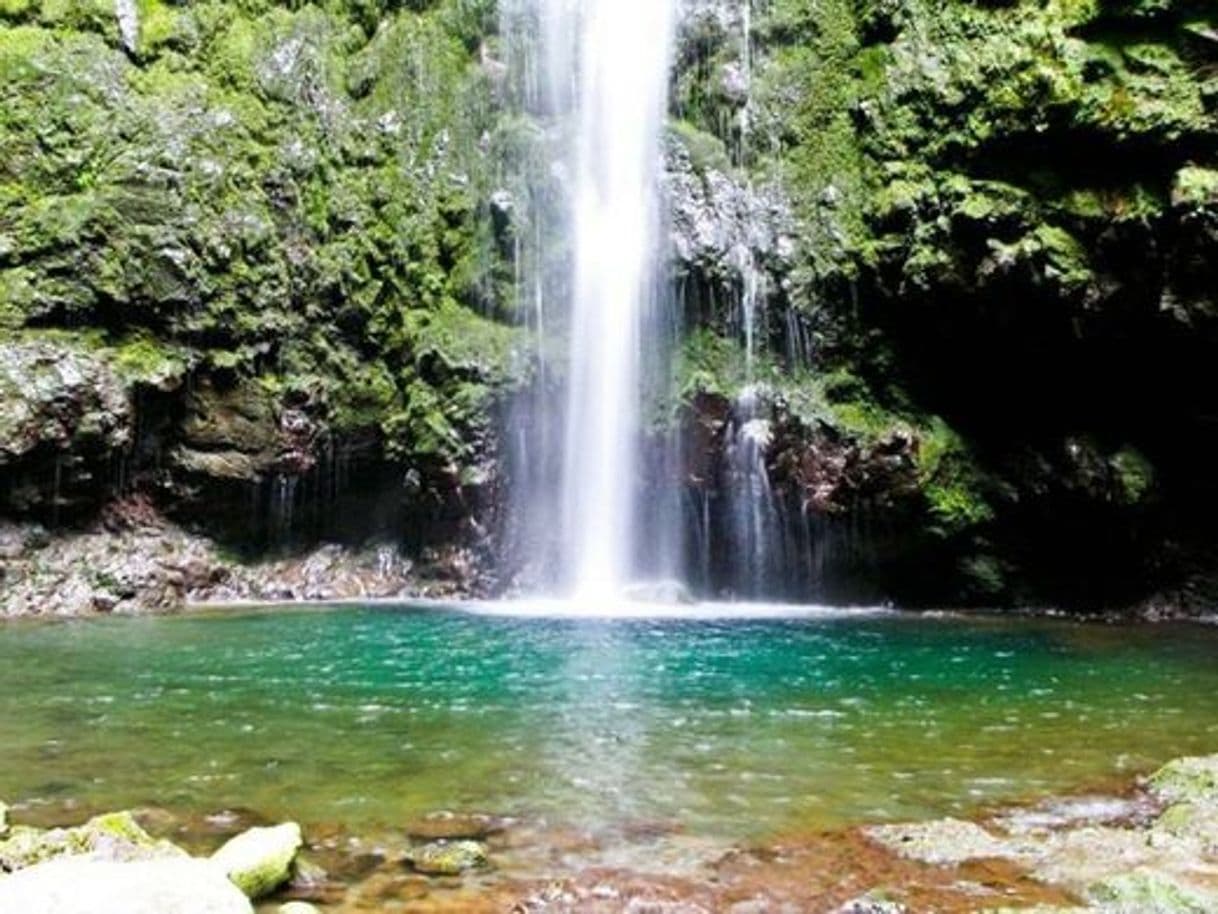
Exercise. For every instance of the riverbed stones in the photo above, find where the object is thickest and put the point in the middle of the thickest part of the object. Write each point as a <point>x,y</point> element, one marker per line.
<point>872,903</point>
<point>449,826</point>
<point>298,907</point>
<point>945,841</point>
<point>447,858</point>
<point>81,886</point>
<point>260,860</point>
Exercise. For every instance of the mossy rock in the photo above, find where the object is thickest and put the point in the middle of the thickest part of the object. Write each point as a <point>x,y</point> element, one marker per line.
<point>1191,822</point>
<point>448,858</point>
<point>1187,780</point>
<point>1149,892</point>
<point>111,837</point>
<point>1195,186</point>
<point>260,860</point>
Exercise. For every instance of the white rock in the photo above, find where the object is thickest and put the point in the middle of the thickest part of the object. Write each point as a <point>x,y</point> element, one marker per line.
<point>74,886</point>
<point>260,860</point>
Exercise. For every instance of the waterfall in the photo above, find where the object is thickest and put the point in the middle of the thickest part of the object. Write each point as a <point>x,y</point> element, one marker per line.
<point>624,53</point>
<point>128,16</point>
<point>595,75</point>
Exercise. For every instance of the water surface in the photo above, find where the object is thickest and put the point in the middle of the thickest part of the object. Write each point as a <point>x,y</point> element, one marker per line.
<point>734,728</point>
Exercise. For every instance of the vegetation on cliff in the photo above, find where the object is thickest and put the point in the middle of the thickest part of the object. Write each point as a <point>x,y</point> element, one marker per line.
<point>1006,239</point>
<point>256,253</point>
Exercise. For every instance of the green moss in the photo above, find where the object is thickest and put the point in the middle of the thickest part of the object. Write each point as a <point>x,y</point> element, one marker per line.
<point>144,360</point>
<point>1135,475</point>
<point>706,151</point>
<point>1151,892</point>
<point>1195,186</point>
<point>1187,780</point>
<point>290,193</point>
<point>951,481</point>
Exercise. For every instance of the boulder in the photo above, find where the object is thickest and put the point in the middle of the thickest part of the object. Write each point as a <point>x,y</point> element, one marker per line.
<point>115,837</point>
<point>3,818</point>
<point>260,860</point>
<point>81,886</point>
<point>298,907</point>
<point>447,858</point>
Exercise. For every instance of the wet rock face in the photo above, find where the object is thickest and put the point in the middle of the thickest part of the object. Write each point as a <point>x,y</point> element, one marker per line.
<point>722,228</point>
<point>65,415</point>
<point>821,469</point>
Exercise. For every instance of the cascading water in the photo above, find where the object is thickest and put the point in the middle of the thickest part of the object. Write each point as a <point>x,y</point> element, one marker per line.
<point>595,74</point>
<point>624,56</point>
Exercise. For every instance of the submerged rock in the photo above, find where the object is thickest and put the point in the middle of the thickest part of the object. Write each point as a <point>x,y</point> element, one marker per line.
<point>115,837</point>
<point>260,860</point>
<point>448,858</point>
<point>144,887</point>
<point>298,907</point>
<point>946,841</point>
<point>3,818</point>
<point>456,826</point>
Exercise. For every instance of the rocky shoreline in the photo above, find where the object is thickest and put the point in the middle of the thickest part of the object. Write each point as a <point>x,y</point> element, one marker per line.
<point>1150,849</point>
<point>133,560</point>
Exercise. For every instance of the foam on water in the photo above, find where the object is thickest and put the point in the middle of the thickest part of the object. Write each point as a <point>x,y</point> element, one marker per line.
<point>615,607</point>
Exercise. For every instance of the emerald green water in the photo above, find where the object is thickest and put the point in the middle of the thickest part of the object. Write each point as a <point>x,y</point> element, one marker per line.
<point>372,717</point>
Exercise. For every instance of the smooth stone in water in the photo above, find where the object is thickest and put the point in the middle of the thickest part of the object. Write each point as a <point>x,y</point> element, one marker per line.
<point>260,860</point>
<point>79,886</point>
<point>454,826</point>
<point>447,858</point>
<point>3,818</point>
<point>298,907</point>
